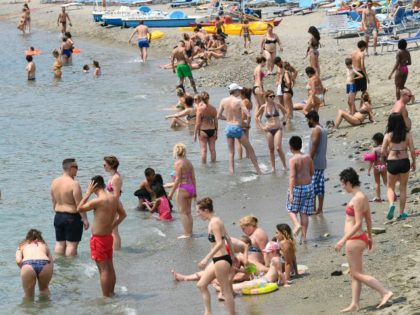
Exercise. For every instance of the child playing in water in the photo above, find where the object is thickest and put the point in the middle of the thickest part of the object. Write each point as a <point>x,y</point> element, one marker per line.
<point>352,75</point>
<point>161,204</point>
<point>85,69</point>
<point>34,259</point>
<point>97,69</point>
<point>378,165</point>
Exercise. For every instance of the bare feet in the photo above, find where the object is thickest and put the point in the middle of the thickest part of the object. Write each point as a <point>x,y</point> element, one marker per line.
<point>184,236</point>
<point>177,276</point>
<point>351,308</point>
<point>385,299</point>
<point>297,230</point>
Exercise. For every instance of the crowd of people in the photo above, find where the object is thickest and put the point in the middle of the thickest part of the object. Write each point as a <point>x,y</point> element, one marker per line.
<point>227,264</point>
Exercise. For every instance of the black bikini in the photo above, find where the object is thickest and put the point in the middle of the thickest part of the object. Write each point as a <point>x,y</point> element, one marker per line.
<point>270,41</point>
<point>226,257</point>
<point>276,113</point>
<point>284,87</point>
<point>209,132</point>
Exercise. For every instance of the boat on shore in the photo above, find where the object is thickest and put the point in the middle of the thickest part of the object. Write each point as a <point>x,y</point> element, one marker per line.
<point>172,19</point>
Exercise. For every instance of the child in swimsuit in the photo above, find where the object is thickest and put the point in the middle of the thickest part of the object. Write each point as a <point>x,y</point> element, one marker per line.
<point>378,165</point>
<point>246,32</point>
<point>352,76</point>
<point>35,261</point>
<point>161,204</point>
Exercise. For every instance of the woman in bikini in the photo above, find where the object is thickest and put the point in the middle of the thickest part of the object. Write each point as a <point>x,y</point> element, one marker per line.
<point>397,141</point>
<point>359,116</point>
<point>286,83</point>
<point>114,186</point>
<point>273,127</point>
<point>185,187</point>
<point>357,240</point>
<point>221,257</point>
<point>258,88</point>
<point>57,64</point>
<point>246,120</point>
<point>206,127</point>
<point>312,51</point>
<point>316,92</point>
<point>269,47</point>
<point>258,236</point>
<point>36,263</point>
<point>189,113</point>
<point>219,51</point>
<point>403,60</point>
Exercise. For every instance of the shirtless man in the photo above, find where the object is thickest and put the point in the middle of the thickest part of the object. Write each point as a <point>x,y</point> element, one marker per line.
<point>143,39</point>
<point>66,49</point>
<point>358,61</point>
<point>400,106</point>
<point>66,195</point>
<point>369,26</point>
<point>30,68</point>
<point>62,19</point>
<point>183,65</point>
<point>108,214</point>
<point>233,108</point>
<point>301,196</point>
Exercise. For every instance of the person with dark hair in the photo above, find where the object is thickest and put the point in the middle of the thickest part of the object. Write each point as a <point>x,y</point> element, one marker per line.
<point>246,33</point>
<point>318,152</point>
<point>269,47</point>
<point>190,114</point>
<point>259,75</point>
<point>316,93</point>
<point>403,60</point>
<point>359,116</point>
<point>357,240</point>
<point>36,263</point>
<point>369,26</point>
<point>397,142</point>
<point>233,109</point>
<point>143,39</point>
<point>183,65</point>
<point>358,61</point>
<point>206,128</point>
<point>400,106</point>
<point>63,16</point>
<point>108,214</point>
<point>66,49</point>
<point>301,197</point>
<point>66,195</point>
<point>222,259</point>
<point>145,192</point>
<point>378,165</point>
<point>351,90</point>
<point>96,69</point>
<point>312,51</point>
<point>273,127</point>
<point>30,68</point>
<point>161,204</point>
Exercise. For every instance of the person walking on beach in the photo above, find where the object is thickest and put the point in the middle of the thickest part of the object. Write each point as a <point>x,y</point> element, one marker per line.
<point>66,195</point>
<point>246,33</point>
<point>108,214</point>
<point>403,60</point>
<point>318,152</point>
<point>183,65</point>
<point>358,60</point>
<point>63,16</point>
<point>222,259</point>
<point>312,51</point>
<point>233,108</point>
<point>269,48</point>
<point>369,26</point>
<point>301,197</point>
<point>36,263</point>
<point>114,186</point>
<point>400,106</point>
<point>143,39</point>
<point>357,240</point>
<point>185,186</point>
<point>30,68</point>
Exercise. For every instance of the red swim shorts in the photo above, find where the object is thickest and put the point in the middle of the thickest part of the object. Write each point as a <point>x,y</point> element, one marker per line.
<point>101,247</point>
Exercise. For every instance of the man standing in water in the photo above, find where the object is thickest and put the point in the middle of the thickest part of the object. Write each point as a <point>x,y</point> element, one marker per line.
<point>400,106</point>
<point>301,196</point>
<point>106,206</point>
<point>358,60</point>
<point>143,39</point>
<point>318,152</point>
<point>62,19</point>
<point>30,68</point>
<point>183,65</point>
<point>233,108</point>
<point>369,26</point>
<point>66,195</point>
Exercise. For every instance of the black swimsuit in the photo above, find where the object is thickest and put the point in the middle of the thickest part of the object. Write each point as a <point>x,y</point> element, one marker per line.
<point>226,257</point>
<point>209,132</point>
<point>276,113</point>
<point>284,88</point>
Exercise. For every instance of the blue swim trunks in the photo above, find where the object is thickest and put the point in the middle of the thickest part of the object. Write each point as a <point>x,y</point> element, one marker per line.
<point>67,52</point>
<point>143,43</point>
<point>234,131</point>
<point>351,88</point>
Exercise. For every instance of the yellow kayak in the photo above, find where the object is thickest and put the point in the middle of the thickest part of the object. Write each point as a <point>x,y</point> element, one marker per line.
<point>156,35</point>
<point>256,28</point>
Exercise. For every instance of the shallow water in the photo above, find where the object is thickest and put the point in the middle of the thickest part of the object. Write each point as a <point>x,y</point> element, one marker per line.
<point>120,113</point>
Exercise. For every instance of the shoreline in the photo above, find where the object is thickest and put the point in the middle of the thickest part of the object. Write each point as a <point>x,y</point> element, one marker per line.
<point>398,242</point>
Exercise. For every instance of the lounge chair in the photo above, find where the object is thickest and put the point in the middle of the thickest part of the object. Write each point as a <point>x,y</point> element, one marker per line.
<point>396,22</point>
<point>339,25</point>
<point>304,5</point>
<point>411,39</point>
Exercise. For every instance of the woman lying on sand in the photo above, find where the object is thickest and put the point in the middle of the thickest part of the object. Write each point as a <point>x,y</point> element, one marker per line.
<point>359,116</point>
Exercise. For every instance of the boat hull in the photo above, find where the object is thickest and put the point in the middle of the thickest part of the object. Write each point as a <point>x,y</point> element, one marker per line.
<point>112,21</point>
<point>161,23</point>
<point>97,16</point>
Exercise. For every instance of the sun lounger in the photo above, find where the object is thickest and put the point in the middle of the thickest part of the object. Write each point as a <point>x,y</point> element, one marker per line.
<point>339,25</point>
<point>391,43</point>
<point>304,5</point>
<point>395,23</point>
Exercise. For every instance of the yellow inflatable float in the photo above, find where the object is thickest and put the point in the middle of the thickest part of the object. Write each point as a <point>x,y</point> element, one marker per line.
<point>256,28</point>
<point>156,35</point>
<point>262,288</point>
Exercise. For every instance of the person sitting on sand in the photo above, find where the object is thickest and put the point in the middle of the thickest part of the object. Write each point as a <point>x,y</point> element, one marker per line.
<point>357,240</point>
<point>378,165</point>
<point>316,92</point>
<point>36,263</point>
<point>359,116</point>
<point>219,51</point>
<point>259,238</point>
<point>189,113</point>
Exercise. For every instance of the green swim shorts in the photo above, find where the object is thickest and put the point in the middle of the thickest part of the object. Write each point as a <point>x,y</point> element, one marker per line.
<point>183,71</point>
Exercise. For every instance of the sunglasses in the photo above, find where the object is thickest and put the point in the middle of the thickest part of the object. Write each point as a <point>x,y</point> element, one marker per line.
<point>271,96</point>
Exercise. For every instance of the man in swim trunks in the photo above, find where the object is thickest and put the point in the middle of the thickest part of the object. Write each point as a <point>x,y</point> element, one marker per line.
<point>62,19</point>
<point>318,152</point>
<point>301,197</point>
<point>233,108</point>
<point>183,65</point>
<point>143,39</point>
<point>108,214</point>
<point>30,68</point>
<point>66,49</point>
<point>400,106</point>
<point>66,195</point>
<point>358,61</point>
<point>369,26</point>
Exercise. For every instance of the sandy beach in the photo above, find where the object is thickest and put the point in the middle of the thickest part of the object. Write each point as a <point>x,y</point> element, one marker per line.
<point>395,259</point>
